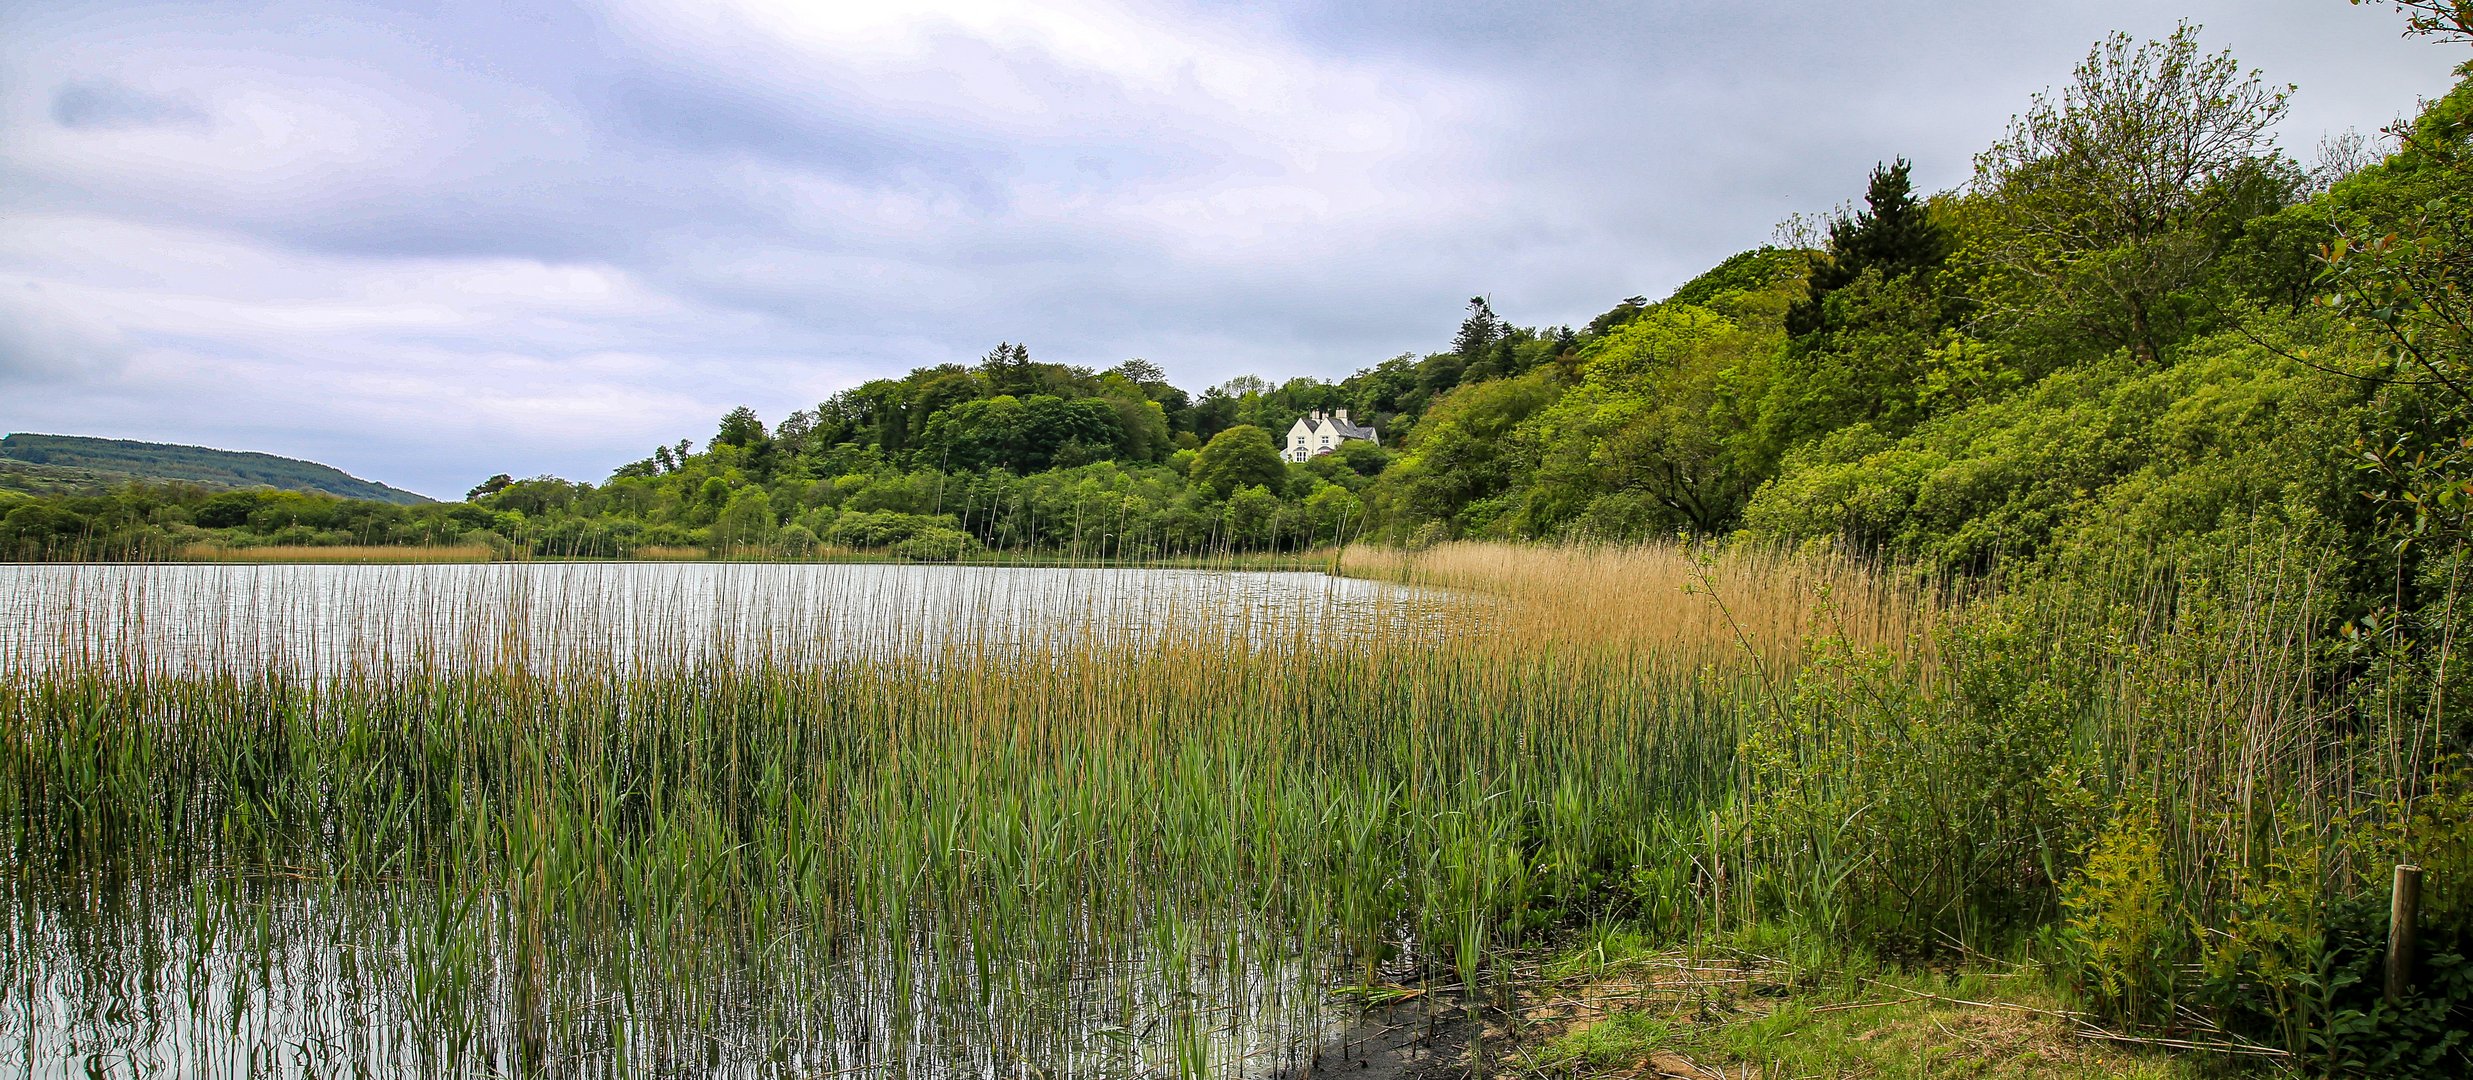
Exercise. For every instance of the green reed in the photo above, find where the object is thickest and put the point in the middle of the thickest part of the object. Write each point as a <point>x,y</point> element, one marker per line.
<point>782,844</point>
<point>1105,852</point>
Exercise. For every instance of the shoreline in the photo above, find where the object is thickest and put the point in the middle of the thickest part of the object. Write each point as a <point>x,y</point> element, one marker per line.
<point>1423,1038</point>
<point>1314,566</point>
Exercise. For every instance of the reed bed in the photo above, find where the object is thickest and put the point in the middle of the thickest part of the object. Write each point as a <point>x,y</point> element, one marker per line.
<point>339,553</point>
<point>659,552</point>
<point>801,831</point>
<point>798,821</point>
<point>1671,598</point>
<point>2168,779</point>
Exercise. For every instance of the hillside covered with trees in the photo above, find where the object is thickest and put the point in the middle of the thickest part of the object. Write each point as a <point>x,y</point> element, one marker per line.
<point>2140,315</point>
<point>76,464</point>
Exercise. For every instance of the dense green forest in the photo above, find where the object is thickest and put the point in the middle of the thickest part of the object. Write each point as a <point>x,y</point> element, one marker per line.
<point>78,465</point>
<point>2140,317</point>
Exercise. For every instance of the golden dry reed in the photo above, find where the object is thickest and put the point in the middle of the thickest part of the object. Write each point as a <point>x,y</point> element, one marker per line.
<point>338,553</point>
<point>1683,602</point>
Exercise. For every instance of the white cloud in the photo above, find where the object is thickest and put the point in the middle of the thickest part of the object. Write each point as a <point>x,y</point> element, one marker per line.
<point>1190,129</point>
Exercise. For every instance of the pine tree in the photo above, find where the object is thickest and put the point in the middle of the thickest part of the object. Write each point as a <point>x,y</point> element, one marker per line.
<point>1894,233</point>
<point>1478,332</point>
<point>739,428</point>
<point>1007,369</point>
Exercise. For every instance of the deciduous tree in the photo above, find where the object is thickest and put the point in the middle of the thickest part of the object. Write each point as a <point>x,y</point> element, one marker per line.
<point>1242,456</point>
<point>2109,196</point>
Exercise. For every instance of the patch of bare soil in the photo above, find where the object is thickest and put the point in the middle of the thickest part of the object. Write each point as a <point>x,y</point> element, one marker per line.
<point>1424,1038</point>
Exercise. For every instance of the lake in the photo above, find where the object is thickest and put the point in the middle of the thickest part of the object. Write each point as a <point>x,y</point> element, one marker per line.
<point>321,616</point>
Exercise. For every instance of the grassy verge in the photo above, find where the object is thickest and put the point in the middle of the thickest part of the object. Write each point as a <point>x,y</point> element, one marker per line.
<point>1613,1006</point>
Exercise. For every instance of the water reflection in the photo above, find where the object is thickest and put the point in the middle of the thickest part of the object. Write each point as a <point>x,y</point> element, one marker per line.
<point>324,617</point>
<point>226,960</point>
<point>251,975</point>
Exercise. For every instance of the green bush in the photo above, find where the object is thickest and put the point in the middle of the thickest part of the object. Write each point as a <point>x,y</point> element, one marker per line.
<point>936,545</point>
<point>1926,814</point>
<point>883,528</point>
<point>795,541</point>
<point>2164,454</point>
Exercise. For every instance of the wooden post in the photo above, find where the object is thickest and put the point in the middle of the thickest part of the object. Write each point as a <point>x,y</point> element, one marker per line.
<point>2403,906</point>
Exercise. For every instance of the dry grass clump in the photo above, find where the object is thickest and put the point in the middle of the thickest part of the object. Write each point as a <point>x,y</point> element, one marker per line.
<point>1708,606</point>
<point>671,553</point>
<point>338,553</point>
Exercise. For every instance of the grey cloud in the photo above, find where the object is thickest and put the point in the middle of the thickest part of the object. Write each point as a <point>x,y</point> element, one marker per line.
<point>701,117</point>
<point>43,343</point>
<point>107,104</point>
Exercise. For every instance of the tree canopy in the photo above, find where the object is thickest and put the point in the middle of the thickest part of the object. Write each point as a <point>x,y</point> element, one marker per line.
<point>2128,313</point>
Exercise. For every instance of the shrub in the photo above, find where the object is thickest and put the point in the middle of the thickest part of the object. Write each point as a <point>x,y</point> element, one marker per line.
<point>884,528</point>
<point>936,545</point>
<point>795,541</point>
<point>2124,919</point>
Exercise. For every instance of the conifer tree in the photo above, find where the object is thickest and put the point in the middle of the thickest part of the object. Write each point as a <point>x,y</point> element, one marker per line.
<point>1894,233</point>
<point>1478,332</point>
<point>1007,369</point>
<point>739,428</point>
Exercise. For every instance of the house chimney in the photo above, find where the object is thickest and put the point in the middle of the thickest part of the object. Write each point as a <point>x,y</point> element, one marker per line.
<point>1343,415</point>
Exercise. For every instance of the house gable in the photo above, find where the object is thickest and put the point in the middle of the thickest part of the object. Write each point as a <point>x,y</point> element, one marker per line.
<point>1318,433</point>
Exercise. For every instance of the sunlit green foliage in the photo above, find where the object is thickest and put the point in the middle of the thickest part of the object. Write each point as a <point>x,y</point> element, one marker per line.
<point>1240,457</point>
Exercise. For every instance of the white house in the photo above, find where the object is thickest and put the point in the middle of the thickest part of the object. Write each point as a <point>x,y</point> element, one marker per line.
<point>1317,434</point>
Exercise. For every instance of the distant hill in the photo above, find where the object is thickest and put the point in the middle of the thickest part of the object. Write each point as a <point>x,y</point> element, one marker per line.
<point>75,464</point>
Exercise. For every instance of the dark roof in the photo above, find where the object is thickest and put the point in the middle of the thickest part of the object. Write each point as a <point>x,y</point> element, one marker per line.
<point>1339,427</point>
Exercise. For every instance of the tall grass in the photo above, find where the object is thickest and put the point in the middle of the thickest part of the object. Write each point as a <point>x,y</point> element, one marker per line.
<point>803,824</point>
<point>1681,602</point>
<point>2171,778</point>
<point>1104,839</point>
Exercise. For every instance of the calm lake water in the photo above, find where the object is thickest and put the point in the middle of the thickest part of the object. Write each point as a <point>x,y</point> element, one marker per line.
<point>183,615</point>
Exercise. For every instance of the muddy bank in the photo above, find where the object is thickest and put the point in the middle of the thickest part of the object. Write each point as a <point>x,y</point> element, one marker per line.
<point>1424,1037</point>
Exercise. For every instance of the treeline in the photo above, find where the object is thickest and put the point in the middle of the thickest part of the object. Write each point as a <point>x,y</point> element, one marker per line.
<point>160,521</point>
<point>2140,312</point>
<point>1008,455</point>
<point>2123,317</point>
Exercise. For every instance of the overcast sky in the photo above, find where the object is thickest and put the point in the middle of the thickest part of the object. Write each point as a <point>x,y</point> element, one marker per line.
<point>427,242</point>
